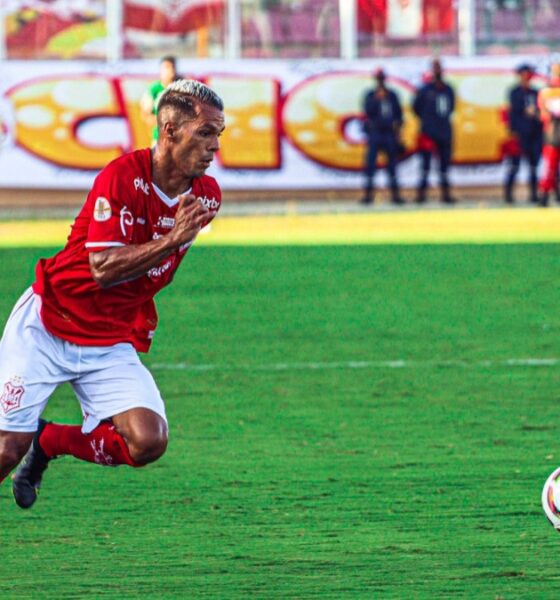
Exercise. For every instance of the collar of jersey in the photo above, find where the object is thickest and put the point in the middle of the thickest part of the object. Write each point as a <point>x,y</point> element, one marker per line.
<point>165,198</point>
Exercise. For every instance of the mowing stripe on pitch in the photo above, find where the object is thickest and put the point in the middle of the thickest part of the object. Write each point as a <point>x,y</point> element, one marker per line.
<point>409,226</point>
<point>359,364</point>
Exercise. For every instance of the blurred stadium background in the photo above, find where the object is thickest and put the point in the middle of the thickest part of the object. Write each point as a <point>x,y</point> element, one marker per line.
<point>300,29</point>
<point>293,74</point>
<point>362,401</point>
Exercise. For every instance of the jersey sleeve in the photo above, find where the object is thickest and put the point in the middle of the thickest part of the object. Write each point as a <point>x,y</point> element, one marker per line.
<point>109,206</point>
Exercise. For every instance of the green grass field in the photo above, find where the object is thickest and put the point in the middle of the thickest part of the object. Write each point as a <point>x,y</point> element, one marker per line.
<point>303,463</point>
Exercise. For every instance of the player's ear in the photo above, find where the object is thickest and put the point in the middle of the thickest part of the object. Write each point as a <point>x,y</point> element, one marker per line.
<point>167,130</point>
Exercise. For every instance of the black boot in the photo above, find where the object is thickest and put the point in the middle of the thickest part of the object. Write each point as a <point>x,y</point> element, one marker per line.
<point>29,475</point>
<point>446,196</point>
<point>533,184</point>
<point>368,196</point>
<point>395,194</point>
<point>543,200</point>
<point>508,187</point>
<point>508,193</point>
<point>534,199</point>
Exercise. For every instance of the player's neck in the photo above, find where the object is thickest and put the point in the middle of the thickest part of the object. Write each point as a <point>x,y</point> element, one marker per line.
<point>167,178</point>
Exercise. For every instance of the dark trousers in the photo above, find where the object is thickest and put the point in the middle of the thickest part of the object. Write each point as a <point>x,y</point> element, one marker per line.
<point>442,148</point>
<point>531,150</point>
<point>387,143</point>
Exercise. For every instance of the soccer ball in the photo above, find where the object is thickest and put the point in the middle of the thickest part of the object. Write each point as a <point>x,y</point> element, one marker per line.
<point>551,499</point>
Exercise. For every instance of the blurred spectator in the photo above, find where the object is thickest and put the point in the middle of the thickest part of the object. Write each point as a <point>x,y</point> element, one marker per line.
<point>549,106</point>
<point>526,129</point>
<point>383,121</point>
<point>434,104</point>
<point>149,101</point>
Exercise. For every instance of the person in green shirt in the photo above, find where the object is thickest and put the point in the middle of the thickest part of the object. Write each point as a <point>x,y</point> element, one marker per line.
<point>148,104</point>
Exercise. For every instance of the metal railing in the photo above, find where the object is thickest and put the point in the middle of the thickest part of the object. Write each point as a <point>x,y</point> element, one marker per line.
<point>479,26</point>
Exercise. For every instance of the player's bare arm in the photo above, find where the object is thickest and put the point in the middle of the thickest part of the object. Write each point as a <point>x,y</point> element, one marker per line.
<point>115,265</point>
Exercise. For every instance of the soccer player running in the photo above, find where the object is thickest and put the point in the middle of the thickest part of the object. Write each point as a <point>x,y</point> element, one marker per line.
<point>91,307</point>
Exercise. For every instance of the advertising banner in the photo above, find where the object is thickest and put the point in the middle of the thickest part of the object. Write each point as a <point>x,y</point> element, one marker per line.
<point>289,125</point>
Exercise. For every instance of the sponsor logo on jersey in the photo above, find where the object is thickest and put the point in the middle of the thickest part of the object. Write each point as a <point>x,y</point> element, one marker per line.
<point>140,221</point>
<point>126,219</point>
<point>166,222</point>
<point>156,272</point>
<point>139,184</point>
<point>210,203</point>
<point>12,394</point>
<point>102,209</point>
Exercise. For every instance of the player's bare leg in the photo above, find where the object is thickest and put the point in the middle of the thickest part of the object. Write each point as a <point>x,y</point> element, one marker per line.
<point>13,446</point>
<point>144,432</point>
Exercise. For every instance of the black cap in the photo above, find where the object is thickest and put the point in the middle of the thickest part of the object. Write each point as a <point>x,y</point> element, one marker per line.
<point>379,74</point>
<point>525,67</point>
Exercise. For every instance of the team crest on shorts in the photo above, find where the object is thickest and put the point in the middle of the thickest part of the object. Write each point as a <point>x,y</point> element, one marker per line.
<point>102,209</point>
<point>11,396</point>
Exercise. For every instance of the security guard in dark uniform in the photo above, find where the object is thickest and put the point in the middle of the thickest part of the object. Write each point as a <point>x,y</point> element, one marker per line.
<point>434,104</point>
<point>526,127</point>
<point>383,121</point>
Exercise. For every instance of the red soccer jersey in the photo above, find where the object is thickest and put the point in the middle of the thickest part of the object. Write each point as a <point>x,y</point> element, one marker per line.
<point>122,208</point>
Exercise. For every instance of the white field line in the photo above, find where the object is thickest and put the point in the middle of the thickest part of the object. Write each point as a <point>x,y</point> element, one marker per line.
<point>359,364</point>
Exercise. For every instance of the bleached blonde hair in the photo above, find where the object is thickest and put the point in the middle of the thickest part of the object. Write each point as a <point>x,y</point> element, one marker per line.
<point>185,94</point>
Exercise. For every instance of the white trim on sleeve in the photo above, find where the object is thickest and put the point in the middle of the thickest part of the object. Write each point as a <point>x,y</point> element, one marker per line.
<point>104,244</point>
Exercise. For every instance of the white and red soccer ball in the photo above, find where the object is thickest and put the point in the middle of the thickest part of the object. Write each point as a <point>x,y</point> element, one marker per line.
<point>551,499</point>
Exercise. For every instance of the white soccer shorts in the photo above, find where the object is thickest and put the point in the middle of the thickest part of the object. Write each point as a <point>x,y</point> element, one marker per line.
<point>107,380</point>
